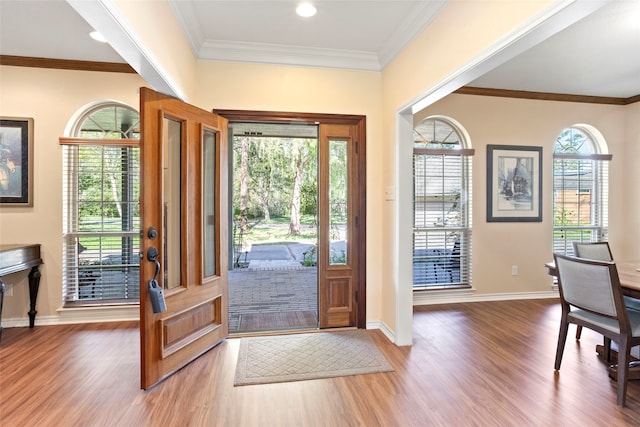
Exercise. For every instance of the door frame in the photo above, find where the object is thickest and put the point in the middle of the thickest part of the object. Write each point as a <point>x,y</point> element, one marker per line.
<point>319,118</point>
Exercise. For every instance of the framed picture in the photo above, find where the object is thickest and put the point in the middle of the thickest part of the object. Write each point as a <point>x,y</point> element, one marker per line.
<point>16,161</point>
<point>514,183</point>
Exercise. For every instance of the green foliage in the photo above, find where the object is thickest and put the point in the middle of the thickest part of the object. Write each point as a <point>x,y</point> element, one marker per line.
<point>309,199</point>
<point>271,173</point>
<point>277,230</point>
<point>570,141</point>
<point>337,258</point>
<point>101,179</point>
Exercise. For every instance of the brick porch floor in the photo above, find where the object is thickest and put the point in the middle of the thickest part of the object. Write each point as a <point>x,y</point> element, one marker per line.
<point>269,289</point>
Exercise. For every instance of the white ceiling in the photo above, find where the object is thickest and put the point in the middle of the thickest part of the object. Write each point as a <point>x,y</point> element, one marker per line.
<point>597,56</point>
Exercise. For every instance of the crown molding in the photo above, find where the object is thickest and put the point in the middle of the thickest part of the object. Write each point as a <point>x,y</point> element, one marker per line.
<point>66,64</point>
<point>218,50</point>
<point>266,53</point>
<point>413,25</point>
<point>545,96</point>
<point>187,19</point>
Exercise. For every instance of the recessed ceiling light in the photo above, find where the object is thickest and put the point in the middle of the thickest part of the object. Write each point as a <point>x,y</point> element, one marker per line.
<point>97,36</point>
<point>306,10</point>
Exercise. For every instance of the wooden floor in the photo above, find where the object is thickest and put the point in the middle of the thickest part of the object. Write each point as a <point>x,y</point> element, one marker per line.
<point>477,364</point>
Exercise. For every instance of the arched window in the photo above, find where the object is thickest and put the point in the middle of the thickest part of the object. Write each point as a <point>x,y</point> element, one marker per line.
<point>441,205</point>
<point>101,214</point>
<point>580,188</point>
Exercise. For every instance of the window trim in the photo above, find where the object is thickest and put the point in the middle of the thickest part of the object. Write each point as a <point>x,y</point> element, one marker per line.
<point>599,192</point>
<point>464,248</point>
<point>71,296</point>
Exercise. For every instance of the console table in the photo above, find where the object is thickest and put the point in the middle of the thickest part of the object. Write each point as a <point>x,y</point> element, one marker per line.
<point>14,258</point>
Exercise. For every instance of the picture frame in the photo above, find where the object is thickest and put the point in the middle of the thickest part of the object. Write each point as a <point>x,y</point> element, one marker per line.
<point>16,161</point>
<point>514,183</point>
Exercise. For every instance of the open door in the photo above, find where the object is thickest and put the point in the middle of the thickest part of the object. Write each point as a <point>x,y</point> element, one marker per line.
<point>338,237</point>
<point>184,234</point>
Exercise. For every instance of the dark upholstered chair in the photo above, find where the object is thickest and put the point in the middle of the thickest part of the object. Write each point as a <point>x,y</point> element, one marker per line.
<point>591,297</point>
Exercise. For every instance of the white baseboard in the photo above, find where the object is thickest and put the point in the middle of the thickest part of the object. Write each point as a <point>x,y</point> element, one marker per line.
<point>68,316</point>
<point>132,313</point>
<point>450,297</point>
<point>379,324</point>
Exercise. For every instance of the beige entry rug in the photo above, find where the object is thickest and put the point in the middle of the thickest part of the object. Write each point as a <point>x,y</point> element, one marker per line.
<point>300,357</point>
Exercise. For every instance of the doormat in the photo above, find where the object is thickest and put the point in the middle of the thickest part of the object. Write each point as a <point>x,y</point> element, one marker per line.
<point>279,320</point>
<point>284,358</point>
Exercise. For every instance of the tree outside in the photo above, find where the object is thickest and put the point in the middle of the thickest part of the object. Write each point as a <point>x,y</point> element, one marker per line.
<point>275,189</point>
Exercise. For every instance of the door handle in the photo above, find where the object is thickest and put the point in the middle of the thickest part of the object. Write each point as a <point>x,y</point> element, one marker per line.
<point>156,294</point>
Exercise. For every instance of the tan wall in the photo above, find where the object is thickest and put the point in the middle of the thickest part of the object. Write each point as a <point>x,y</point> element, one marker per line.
<point>226,85</point>
<point>498,246</point>
<point>461,32</point>
<point>33,92</point>
<point>51,97</point>
<point>158,31</point>
<point>631,181</point>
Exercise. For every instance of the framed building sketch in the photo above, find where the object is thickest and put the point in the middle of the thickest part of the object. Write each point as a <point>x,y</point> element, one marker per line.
<point>514,183</point>
<point>16,161</point>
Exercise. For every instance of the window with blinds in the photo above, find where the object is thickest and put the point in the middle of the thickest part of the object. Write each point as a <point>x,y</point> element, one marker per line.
<point>441,206</point>
<point>101,223</point>
<point>580,190</point>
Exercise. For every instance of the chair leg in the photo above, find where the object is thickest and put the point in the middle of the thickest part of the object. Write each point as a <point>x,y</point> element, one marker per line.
<point>607,349</point>
<point>562,338</point>
<point>579,332</point>
<point>623,371</point>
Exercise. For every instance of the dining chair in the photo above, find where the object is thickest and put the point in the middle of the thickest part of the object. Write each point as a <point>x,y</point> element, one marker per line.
<point>591,296</point>
<point>602,252</point>
<point>593,250</point>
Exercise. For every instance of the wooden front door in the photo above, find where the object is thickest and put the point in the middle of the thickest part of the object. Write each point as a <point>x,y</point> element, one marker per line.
<point>338,233</point>
<point>184,220</point>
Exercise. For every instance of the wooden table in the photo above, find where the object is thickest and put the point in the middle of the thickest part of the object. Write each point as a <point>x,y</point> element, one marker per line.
<point>14,258</point>
<point>628,272</point>
<point>629,275</point>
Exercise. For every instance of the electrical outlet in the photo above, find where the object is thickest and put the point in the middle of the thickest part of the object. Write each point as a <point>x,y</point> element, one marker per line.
<point>8,290</point>
<point>390,193</point>
<point>514,270</point>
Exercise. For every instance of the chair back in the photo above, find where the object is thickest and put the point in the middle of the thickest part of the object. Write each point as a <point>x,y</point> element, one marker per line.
<point>593,250</point>
<point>590,285</point>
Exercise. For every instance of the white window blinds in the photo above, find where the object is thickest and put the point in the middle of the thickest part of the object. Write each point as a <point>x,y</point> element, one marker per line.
<point>580,191</point>
<point>441,205</point>
<point>101,221</point>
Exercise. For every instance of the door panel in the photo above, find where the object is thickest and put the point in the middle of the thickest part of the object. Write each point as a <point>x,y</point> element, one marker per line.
<point>338,206</point>
<point>184,198</point>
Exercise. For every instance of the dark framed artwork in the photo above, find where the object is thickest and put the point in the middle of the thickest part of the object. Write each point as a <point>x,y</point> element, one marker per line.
<point>16,161</point>
<point>514,183</point>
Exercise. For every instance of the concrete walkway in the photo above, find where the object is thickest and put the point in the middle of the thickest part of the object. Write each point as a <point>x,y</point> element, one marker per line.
<point>276,255</point>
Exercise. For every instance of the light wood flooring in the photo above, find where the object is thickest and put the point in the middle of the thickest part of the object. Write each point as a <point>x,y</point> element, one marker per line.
<point>476,364</point>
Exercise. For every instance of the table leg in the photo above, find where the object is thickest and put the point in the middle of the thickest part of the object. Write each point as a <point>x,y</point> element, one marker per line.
<point>34,285</point>
<point>634,365</point>
<point>2,290</point>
